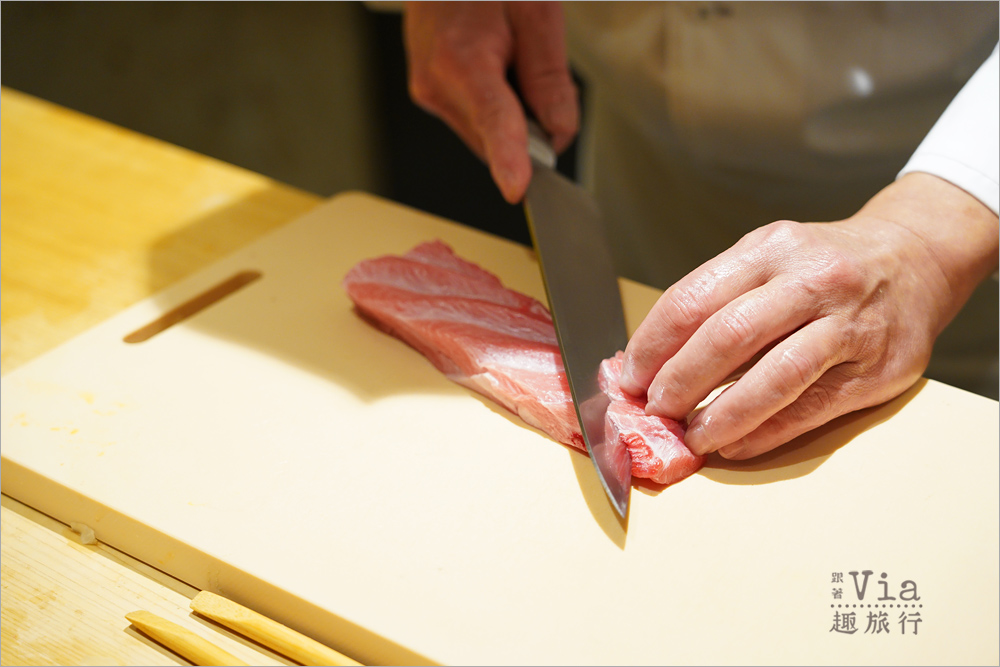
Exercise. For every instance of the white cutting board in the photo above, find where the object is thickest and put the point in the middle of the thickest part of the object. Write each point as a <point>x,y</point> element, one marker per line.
<point>276,449</point>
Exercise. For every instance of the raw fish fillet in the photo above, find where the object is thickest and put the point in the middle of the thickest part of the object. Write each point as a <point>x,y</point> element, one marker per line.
<point>502,344</point>
<point>655,444</point>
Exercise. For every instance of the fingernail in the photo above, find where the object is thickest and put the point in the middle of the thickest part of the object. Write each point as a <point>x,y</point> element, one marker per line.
<point>506,179</point>
<point>627,381</point>
<point>698,440</point>
<point>732,450</point>
<point>653,397</point>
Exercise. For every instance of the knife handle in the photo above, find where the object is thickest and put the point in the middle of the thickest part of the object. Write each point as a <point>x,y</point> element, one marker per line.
<point>539,147</point>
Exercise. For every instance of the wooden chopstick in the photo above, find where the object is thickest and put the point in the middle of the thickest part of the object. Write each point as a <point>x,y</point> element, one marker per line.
<point>263,630</point>
<point>181,640</point>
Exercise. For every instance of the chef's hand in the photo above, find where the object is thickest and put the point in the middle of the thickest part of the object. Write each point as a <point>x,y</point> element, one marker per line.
<point>845,314</point>
<point>458,56</point>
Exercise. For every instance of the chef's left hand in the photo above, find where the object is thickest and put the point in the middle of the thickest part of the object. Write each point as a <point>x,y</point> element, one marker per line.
<point>842,315</point>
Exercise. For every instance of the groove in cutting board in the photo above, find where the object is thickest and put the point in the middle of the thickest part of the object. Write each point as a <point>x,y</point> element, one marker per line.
<point>193,306</point>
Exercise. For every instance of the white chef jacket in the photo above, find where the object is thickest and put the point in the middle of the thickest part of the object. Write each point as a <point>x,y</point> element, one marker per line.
<point>706,120</point>
<point>964,144</point>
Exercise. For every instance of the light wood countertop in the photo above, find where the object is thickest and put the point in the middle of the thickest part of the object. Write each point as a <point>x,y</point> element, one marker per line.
<point>94,219</point>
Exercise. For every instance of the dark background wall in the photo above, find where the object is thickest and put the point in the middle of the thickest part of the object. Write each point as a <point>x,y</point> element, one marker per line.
<point>311,94</point>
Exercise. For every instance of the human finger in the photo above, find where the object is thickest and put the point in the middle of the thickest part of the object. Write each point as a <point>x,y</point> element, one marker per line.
<point>498,120</point>
<point>792,369</point>
<point>828,398</point>
<point>458,54</point>
<point>727,340</point>
<point>683,308</point>
<point>542,67</point>
<point>491,123</point>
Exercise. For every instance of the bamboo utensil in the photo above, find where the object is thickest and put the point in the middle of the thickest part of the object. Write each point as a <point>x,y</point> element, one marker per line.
<point>270,633</point>
<point>182,641</point>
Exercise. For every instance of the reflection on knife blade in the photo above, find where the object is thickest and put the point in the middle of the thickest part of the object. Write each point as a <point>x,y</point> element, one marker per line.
<point>582,289</point>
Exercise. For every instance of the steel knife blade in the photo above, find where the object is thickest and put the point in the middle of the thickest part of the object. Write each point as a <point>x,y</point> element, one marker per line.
<point>582,288</point>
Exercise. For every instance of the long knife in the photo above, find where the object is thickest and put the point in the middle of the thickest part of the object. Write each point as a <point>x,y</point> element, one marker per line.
<point>582,288</point>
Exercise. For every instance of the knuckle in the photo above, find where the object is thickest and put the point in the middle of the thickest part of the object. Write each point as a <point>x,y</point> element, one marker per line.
<point>818,405</point>
<point>675,386</point>
<point>644,360</point>
<point>442,67</point>
<point>682,309</point>
<point>837,269</point>
<point>671,395</point>
<point>790,238</point>
<point>450,60</point>
<point>781,233</point>
<point>798,368</point>
<point>822,401</point>
<point>452,45</point>
<point>651,371</point>
<point>734,329</point>
<point>428,79</point>
<point>487,112</point>
<point>830,276</point>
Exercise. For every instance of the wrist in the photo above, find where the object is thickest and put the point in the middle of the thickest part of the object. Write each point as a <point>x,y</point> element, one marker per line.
<point>957,233</point>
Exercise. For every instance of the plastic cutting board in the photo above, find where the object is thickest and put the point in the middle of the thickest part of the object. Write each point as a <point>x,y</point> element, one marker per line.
<point>278,450</point>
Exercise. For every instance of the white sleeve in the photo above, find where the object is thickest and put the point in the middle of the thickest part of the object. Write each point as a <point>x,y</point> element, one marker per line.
<point>963,146</point>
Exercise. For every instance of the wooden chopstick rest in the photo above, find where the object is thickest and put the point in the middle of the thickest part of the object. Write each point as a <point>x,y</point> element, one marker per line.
<point>181,640</point>
<point>263,630</point>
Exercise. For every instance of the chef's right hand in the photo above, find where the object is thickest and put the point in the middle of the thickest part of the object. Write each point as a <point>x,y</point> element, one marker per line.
<point>458,54</point>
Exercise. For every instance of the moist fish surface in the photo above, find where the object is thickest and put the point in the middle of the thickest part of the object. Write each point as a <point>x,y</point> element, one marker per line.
<point>502,344</point>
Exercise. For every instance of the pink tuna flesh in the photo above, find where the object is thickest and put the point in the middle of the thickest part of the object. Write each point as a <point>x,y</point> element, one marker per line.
<point>502,344</point>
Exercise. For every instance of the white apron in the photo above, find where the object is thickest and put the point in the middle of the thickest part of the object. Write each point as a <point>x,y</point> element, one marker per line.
<point>706,120</point>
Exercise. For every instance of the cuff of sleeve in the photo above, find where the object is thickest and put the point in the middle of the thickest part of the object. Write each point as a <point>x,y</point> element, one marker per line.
<point>964,143</point>
<point>976,183</point>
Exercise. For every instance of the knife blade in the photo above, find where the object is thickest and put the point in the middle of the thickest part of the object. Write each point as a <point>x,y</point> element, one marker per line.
<point>582,288</point>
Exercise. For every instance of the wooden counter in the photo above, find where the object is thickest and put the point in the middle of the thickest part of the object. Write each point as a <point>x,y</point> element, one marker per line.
<point>94,219</point>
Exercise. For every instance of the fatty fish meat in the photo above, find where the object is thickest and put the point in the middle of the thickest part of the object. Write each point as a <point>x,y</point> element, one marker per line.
<point>655,444</point>
<point>502,344</point>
